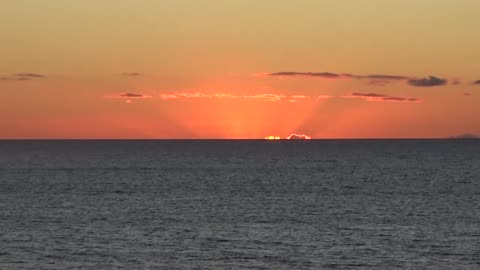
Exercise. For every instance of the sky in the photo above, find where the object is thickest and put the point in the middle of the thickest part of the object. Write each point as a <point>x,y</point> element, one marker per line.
<point>239,69</point>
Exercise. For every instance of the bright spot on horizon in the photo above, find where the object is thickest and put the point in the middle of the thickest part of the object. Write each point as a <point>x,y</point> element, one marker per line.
<point>292,136</point>
<point>295,136</point>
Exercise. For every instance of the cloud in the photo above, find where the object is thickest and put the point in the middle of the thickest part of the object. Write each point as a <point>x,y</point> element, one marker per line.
<point>369,95</point>
<point>29,75</point>
<point>380,97</point>
<point>178,95</point>
<point>298,97</point>
<point>323,97</point>
<point>307,74</point>
<point>188,95</point>
<point>132,95</point>
<point>267,97</point>
<point>381,77</point>
<point>376,82</point>
<point>169,96</point>
<point>128,96</point>
<point>195,95</point>
<point>456,81</point>
<point>399,99</point>
<point>14,79</point>
<point>374,79</point>
<point>132,74</point>
<point>23,77</point>
<point>427,82</point>
<point>338,75</point>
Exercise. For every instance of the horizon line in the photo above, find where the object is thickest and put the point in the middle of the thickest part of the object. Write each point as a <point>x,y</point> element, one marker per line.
<point>238,139</point>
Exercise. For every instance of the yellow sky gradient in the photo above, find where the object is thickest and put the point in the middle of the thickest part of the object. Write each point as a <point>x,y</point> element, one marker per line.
<point>212,58</point>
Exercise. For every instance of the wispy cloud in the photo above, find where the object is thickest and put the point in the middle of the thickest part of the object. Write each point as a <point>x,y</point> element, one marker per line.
<point>132,74</point>
<point>380,97</point>
<point>29,75</point>
<point>429,81</point>
<point>455,81</point>
<point>205,95</point>
<point>271,97</point>
<point>297,98</point>
<point>177,95</point>
<point>169,96</point>
<point>267,97</point>
<point>133,95</point>
<point>11,79</point>
<point>128,96</point>
<point>332,75</point>
<point>380,77</point>
<point>264,97</point>
<point>375,79</point>
<point>26,76</point>
<point>306,74</point>
<point>378,82</point>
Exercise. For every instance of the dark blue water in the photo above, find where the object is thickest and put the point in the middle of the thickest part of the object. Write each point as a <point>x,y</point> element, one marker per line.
<point>396,204</point>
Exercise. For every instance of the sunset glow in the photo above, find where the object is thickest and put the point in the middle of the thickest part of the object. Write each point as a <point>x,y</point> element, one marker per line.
<point>298,137</point>
<point>153,69</point>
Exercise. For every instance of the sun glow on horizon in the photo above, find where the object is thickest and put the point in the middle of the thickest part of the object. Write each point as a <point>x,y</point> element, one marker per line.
<point>292,136</point>
<point>295,136</point>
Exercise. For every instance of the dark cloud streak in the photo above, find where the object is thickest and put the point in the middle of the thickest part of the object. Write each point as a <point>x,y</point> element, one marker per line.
<point>132,74</point>
<point>337,75</point>
<point>372,95</point>
<point>132,95</point>
<point>381,97</point>
<point>307,74</point>
<point>30,75</point>
<point>23,77</point>
<point>380,77</point>
<point>429,81</point>
<point>375,79</point>
<point>128,96</point>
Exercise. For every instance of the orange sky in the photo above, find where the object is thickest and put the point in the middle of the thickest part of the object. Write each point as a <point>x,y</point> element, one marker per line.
<point>239,69</point>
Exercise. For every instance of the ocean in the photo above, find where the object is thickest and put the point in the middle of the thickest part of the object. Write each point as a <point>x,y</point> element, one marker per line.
<point>240,204</point>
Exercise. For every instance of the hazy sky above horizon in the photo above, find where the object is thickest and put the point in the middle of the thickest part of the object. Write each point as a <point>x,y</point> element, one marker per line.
<point>239,68</point>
